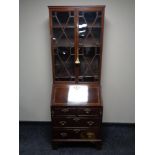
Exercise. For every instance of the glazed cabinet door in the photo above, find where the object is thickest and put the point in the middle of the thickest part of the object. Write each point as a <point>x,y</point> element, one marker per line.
<point>77,37</point>
<point>63,44</point>
<point>90,29</point>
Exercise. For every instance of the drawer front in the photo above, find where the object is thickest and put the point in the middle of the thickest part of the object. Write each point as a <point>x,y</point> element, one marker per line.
<point>63,111</point>
<point>76,121</point>
<point>76,111</point>
<point>90,111</point>
<point>76,133</point>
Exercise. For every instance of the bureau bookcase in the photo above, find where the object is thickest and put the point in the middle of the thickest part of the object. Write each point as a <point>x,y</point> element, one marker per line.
<point>76,48</point>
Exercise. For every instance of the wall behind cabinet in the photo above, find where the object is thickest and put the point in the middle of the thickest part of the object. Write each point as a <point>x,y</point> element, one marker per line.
<point>118,59</point>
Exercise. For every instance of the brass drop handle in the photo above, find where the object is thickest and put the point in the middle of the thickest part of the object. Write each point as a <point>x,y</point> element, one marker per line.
<point>87,110</point>
<point>90,123</point>
<point>62,122</point>
<point>63,134</point>
<point>65,110</point>
<point>76,119</point>
<point>76,130</point>
<point>77,61</point>
<point>90,135</point>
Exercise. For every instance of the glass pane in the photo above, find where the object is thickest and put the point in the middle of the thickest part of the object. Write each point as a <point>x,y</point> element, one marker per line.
<point>89,29</point>
<point>89,37</point>
<point>64,61</point>
<point>89,64</point>
<point>90,18</point>
<point>63,43</point>
<point>63,19</point>
<point>89,45</point>
<point>63,37</point>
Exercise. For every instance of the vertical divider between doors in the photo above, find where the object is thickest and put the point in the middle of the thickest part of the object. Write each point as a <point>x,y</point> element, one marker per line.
<point>76,43</point>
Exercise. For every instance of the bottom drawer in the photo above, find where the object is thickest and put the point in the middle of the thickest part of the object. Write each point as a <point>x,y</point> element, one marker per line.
<point>76,133</point>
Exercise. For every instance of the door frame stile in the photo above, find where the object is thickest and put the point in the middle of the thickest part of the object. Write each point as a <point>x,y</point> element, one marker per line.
<point>76,45</point>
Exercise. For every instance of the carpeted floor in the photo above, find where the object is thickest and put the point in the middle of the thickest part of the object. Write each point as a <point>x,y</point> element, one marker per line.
<point>34,138</point>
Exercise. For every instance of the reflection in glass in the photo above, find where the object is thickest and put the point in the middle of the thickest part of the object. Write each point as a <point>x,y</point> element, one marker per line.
<point>82,26</point>
<point>78,94</point>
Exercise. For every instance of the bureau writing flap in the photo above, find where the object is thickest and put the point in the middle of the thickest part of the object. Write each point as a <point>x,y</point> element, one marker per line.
<point>76,95</point>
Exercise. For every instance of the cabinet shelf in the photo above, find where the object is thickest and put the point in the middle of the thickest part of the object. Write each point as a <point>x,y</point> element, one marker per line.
<point>89,45</point>
<point>63,26</point>
<point>65,77</point>
<point>72,26</point>
<point>82,43</point>
<point>63,43</point>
